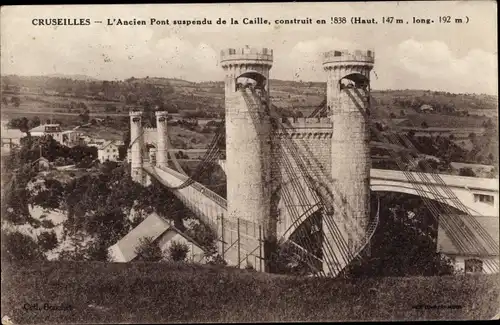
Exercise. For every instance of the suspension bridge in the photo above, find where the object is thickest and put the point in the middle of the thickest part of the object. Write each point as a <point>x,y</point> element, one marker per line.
<point>303,186</point>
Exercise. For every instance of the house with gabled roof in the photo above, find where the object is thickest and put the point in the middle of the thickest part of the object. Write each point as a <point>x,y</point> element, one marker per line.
<point>108,151</point>
<point>162,232</point>
<point>480,259</point>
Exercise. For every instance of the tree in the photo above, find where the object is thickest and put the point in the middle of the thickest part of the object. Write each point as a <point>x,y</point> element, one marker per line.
<point>107,167</point>
<point>16,196</point>
<point>159,199</point>
<point>33,123</point>
<point>126,137</point>
<point>47,240</point>
<point>4,101</point>
<point>148,250</point>
<point>24,125</point>
<point>178,251</point>
<point>79,153</point>
<point>109,224</point>
<point>51,197</point>
<point>203,236</point>
<point>405,241</point>
<point>85,115</point>
<point>16,101</point>
<point>18,247</point>
<point>424,124</point>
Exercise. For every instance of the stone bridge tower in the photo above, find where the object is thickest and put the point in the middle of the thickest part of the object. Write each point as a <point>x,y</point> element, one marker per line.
<point>162,140</point>
<point>348,87</point>
<point>247,133</point>
<point>136,143</point>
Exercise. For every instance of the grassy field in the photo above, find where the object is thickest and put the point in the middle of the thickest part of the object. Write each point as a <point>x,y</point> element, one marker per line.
<point>445,121</point>
<point>156,292</point>
<point>102,132</point>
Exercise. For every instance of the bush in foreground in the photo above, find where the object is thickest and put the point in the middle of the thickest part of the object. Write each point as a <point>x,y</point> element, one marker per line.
<point>18,247</point>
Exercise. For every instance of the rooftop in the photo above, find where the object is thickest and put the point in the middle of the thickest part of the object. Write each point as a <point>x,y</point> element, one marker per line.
<point>12,134</point>
<point>153,226</point>
<point>479,225</point>
<point>105,143</point>
<point>42,128</point>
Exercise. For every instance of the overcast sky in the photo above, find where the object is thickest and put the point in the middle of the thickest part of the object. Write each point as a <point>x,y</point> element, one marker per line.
<point>448,57</point>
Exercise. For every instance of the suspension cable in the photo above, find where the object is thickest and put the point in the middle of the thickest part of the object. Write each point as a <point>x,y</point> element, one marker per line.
<point>429,203</point>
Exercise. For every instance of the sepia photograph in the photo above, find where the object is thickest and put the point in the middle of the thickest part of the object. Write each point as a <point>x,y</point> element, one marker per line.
<point>249,162</point>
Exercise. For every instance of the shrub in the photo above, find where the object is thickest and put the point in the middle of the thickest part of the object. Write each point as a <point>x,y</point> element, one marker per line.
<point>98,251</point>
<point>47,224</point>
<point>60,161</point>
<point>35,223</point>
<point>217,260</point>
<point>249,267</point>
<point>178,251</point>
<point>47,240</point>
<point>17,247</point>
<point>148,250</point>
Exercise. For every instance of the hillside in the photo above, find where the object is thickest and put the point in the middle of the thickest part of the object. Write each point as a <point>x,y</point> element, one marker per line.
<point>62,100</point>
<point>72,76</point>
<point>99,292</point>
<point>209,96</point>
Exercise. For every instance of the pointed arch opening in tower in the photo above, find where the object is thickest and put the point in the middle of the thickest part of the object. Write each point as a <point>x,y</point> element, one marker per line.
<point>354,80</point>
<point>251,79</point>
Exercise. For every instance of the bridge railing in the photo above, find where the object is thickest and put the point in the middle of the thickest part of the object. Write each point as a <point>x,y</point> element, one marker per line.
<point>199,187</point>
<point>241,235</point>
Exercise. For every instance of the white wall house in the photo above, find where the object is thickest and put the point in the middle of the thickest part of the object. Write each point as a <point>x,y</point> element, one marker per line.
<point>485,258</point>
<point>162,232</point>
<point>108,151</point>
<point>68,138</point>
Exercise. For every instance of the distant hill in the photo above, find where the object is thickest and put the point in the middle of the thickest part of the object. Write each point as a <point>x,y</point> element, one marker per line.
<point>23,79</point>
<point>290,96</point>
<point>161,81</point>
<point>72,76</point>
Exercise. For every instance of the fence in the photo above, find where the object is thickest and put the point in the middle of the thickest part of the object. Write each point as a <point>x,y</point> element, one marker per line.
<point>241,242</point>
